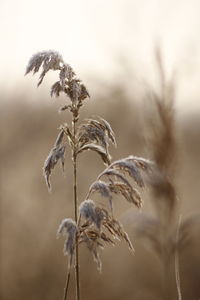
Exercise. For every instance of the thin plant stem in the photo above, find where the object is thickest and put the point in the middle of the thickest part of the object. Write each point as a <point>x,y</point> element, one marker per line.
<point>177,268</point>
<point>77,275</point>
<point>165,277</point>
<point>66,285</point>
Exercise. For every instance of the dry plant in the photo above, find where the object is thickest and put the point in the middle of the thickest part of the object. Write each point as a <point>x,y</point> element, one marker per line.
<point>93,225</point>
<point>164,195</point>
<point>167,231</point>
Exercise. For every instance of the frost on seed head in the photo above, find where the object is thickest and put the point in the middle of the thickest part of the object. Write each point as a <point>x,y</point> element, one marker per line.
<point>104,189</point>
<point>67,83</point>
<point>57,153</point>
<point>91,213</point>
<point>110,230</point>
<point>96,135</point>
<point>47,60</point>
<point>68,228</point>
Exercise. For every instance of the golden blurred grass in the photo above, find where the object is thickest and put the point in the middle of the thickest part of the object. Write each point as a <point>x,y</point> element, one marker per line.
<point>32,263</point>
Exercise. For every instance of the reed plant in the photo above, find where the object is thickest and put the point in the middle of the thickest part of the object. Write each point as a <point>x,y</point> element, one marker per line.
<point>164,230</point>
<point>94,225</point>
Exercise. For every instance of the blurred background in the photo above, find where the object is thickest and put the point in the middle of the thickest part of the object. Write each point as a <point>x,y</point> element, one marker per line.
<point>111,45</point>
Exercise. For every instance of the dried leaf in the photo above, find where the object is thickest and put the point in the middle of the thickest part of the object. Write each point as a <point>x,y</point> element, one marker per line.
<point>99,149</point>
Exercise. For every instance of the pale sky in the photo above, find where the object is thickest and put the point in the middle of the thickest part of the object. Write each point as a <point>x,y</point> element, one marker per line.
<point>93,34</point>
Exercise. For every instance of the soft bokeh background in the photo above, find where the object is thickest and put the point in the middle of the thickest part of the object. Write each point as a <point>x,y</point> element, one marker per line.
<point>111,45</point>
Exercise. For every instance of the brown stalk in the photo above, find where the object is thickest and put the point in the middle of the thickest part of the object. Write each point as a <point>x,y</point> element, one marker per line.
<point>164,155</point>
<point>74,156</point>
<point>66,285</point>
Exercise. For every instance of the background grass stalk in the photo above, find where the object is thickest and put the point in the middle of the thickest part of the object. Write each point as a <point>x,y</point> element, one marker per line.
<point>165,277</point>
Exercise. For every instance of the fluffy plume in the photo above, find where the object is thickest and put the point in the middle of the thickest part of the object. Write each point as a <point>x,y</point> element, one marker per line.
<point>117,187</point>
<point>99,131</point>
<point>113,173</point>
<point>57,153</point>
<point>130,194</point>
<point>48,60</point>
<point>89,133</point>
<point>91,213</point>
<point>110,229</point>
<point>119,184</point>
<point>103,188</point>
<point>69,228</point>
<point>129,167</point>
<point>141,163</point>
<point>75,90</point>
<point>66,73</point>
<point>67,83</point>
<point>109,130</point>
<point>103,124</point>
<point>91,239</point>
<point>116,229</point>
<point>95,135</point>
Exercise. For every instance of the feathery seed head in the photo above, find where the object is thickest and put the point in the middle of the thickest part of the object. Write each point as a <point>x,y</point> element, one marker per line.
<point>130,167</point>
<point>68,228</point>
<point>104,189</point>
<point>91,213</point>
<point>67,83</point>
<point>57,153</point>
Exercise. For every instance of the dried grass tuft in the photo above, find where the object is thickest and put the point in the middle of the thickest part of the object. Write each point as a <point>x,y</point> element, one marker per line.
<point>68,83</point>
<point>130,194</point>
<point>96,135</point>
<point>91,213</point>
<point>47,60</point>
<point>57,153</point>
<point>103,188</point>
<point>68,228</point>
<point>106,230</point>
